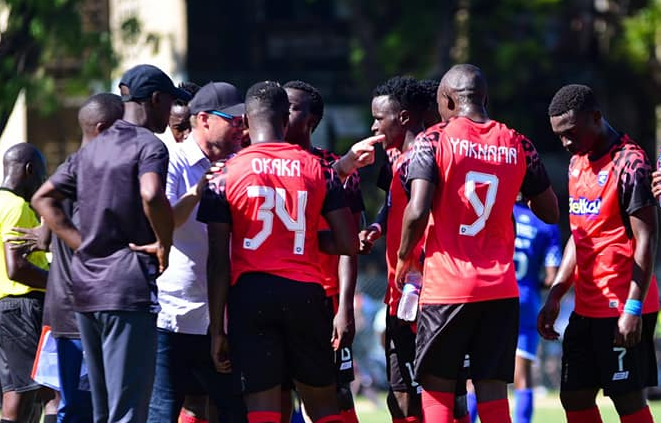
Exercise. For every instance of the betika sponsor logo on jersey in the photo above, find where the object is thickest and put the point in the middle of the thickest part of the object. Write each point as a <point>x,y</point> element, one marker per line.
<point>582,206</point>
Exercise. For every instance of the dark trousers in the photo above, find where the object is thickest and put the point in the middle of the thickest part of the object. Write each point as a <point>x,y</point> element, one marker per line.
<point>75,403</point>
<point>184,367</point>
<point>120,351</point>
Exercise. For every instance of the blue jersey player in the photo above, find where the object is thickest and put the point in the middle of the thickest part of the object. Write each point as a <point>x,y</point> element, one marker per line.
<point>537,247</point>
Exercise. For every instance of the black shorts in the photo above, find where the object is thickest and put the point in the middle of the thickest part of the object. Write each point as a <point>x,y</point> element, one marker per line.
<point>400,356</point>
<point>487,331</point>
<point>20,329</point>
<point>343,358</point>
<point>279,328</point>
<point>589,359</point>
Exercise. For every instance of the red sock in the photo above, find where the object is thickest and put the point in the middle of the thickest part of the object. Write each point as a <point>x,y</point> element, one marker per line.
<point>264,417</point>
<point>333,418</point>
<point>497,411</point>
<point>412,419</point>
<point>349,416</point>
<point>465,419</point>
<point>437,407</point>
<point>184,417</point>
<point>641,416</point>
<point>591,415</point>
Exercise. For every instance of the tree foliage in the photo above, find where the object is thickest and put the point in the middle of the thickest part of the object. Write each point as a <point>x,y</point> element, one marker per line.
<point>47,49</point>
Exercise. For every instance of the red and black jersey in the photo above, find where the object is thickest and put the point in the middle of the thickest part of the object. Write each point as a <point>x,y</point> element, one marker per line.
<point>274,196</point>
<point>478,169</point>
<point>397,199</point>
<point>354,198</point>
<point>603,193</point>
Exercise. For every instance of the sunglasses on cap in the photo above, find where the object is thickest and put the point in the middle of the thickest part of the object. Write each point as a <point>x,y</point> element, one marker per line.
<point>235,121</point>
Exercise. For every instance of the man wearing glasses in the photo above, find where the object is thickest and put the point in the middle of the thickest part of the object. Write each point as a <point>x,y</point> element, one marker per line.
<point>183,362</point>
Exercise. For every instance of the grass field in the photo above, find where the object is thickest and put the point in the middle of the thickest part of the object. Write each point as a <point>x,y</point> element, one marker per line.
<point>547,410</point>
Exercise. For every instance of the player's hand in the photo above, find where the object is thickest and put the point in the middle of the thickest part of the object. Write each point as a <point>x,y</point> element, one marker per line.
<point>403,267</point>
<point>344,328</point>
<point>30,240</point>
<point>362,152</point>
<point>367,237</point>
<point>656,183</point>
<point>220,353</point>
<point>162,253</point>
<point>628,331</point>
<point>547,317</point>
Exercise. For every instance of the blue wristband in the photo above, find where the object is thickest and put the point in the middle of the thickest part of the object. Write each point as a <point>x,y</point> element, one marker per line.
<point>634,307</point>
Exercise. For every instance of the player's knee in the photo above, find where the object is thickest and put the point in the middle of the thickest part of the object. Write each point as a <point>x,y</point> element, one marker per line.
<point>344,397</point>
<point>629,403</point>
<point>577,400</point>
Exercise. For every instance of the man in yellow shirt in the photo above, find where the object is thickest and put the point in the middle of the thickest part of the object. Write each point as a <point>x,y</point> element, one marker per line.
<point>22,283</point>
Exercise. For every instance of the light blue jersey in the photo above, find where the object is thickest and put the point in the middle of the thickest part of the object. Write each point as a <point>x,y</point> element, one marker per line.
<point>537,246</point>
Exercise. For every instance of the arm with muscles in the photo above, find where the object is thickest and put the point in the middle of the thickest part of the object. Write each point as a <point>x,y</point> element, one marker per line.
<point>183,208</point>
<point>159,213</point>
<point>644,226</point>
<point>344,325</point>
<point>360,155</point>
<point>218,277</point>
<point>47,202</point>
<point>545,205</point>
<point>414,223</point>
<point>19,269</point>
<point>341,239</point>
<point>552,256</point>
<point>563,281</point>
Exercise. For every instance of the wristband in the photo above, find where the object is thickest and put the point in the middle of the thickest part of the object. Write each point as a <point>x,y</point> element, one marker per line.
<point>634,307</point>
<point>377,226</point>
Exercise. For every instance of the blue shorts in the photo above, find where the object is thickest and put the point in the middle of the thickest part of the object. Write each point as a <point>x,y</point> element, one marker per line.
<point>527,343</point>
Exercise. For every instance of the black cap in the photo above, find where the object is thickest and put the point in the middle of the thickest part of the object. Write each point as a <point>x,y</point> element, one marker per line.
<point>219,96</point>
<point>143,80</point>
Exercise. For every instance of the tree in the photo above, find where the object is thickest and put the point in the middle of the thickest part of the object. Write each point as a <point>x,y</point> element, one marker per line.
<point>48,49</point>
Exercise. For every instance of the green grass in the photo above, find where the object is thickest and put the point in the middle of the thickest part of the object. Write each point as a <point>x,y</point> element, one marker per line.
<point>547,410</point>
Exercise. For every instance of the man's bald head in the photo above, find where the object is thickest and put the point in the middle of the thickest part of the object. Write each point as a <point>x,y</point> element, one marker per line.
<point>25,169</point>
<point>466,82</point>
<point>99,112</point>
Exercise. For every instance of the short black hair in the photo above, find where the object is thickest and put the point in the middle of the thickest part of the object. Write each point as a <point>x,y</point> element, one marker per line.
<point>576,97</point>
<point>407,91</point>
<point>316,103</point>
<point>267,97</point>
<point>190,87</point>
<point>430,86</point>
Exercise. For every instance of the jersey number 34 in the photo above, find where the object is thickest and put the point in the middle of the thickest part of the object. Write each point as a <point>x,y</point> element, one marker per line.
<point>274,200</point>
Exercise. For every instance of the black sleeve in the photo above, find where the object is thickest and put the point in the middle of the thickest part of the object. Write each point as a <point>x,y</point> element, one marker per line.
<point>64,178</point>
<point>382,216</point>
<point>635,181</point>
<point>353,193</point>
<point>154,157</point>
<point>423,160</point>
<point>536,180</point>
<point>214,207</point>
<point>385,176</point>
<point>335,196</point>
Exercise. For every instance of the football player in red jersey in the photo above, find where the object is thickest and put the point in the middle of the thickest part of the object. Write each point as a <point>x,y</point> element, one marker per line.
<point>398,108</point>
<point>265,211</point>
<point>609,259</point>
<point>306,108</point>
<point>468,171</point>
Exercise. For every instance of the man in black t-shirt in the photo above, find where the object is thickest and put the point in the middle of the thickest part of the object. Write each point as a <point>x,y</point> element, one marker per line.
<point>98,113</point>
<point>125,220</point>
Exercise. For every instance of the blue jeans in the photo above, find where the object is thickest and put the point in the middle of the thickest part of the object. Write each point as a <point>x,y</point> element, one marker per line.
<point>184,367</point>
<point>75,404</point>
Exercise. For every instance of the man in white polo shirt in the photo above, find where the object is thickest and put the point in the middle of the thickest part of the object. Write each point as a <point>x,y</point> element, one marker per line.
<point>183,362</point>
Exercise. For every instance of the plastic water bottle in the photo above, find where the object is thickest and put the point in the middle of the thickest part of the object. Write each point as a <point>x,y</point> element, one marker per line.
<point>408,304</point>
